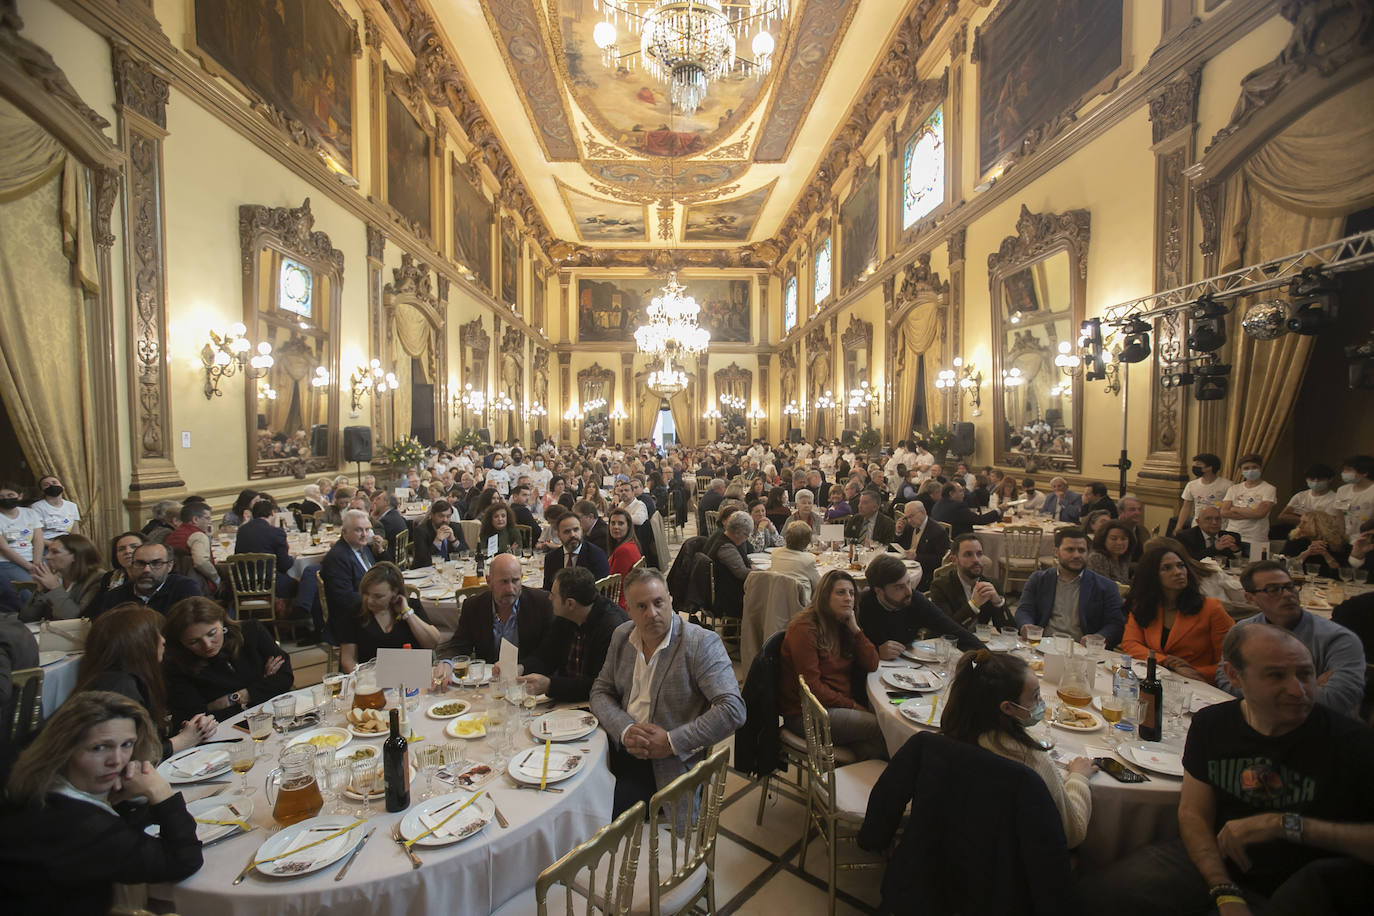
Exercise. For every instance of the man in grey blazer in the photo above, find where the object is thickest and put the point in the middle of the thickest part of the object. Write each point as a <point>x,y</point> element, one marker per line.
<point>666,693</point>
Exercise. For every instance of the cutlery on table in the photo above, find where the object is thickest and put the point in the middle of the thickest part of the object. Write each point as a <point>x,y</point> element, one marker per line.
<point>500,818</point>
<point>252,860</point>
<point>354,854</point>
<point>400,841</point>
<point>521,785</point>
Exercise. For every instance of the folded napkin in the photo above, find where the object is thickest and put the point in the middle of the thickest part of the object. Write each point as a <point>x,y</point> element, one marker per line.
<point>563,726</point>
<point>464,823</point>
<point>199,764</point>
<point>917,680</point>
<point>532,764</point>
<point>291,862</point>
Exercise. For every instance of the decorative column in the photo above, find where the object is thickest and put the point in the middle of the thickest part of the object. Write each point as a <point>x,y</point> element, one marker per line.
<point>564,387</point>
<point>1173,121</point>
<point>954,403</point>
<point>141,95</point>
<point>629,426</point>
<point>889,431</point>
<point>376,330</point>
<point>764,361</point>
<point>703,400</point>
<point>444,401</point>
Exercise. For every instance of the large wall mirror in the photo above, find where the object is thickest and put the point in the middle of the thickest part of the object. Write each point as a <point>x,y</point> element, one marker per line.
<point>292,283</point>
<point>1038,278</point>
<point>475,347</point>
<point>734,393</point>
<point>596,391</point>
<point>856,346</point>
<point>415,344</point>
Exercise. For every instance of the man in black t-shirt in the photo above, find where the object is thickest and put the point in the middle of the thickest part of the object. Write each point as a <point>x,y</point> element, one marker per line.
<point>1277,809</point>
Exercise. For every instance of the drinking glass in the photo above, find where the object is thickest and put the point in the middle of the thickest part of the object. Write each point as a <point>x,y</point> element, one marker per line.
<point>1095,644</point>
<point>496,733</point>
<point>455,759</point>
<point>1009,638</point>
<point>320,695</point>
<point>242,756</point>
<point>283,712</point>
<point>1347,574</point>
<point>1176,703</point>
<point>951,651</point>
<point>461,666</point>
<point>515,693</point>
<point>1312,569</point>
<point>363,777</point>
<point>1362,576</point>
<point>259,726</point>
<point>1033,634</point>
<point>334,779</point>
<point>1294,567</point>
<point>431,759</point>
<point>1112,709</point>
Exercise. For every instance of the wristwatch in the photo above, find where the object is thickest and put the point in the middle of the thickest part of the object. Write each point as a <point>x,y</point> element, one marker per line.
<point>236,698</point>
<point>1292,827</point>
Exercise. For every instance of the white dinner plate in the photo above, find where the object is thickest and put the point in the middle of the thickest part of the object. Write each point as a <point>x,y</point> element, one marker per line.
<point>331,738</point>
<point>1154,759</point>
<point>451,729</point>
<point>563,725</point>
<point>908,679</point>
<point>921,652</point>
<point>466,823</point>
<point>1098,723</point>
<point>352,753</point>
<point>919,709</point>
<point>217,808</point>
<point>195,764</point>
<point>410,575</point>
<point>462,706</point>
<point>527,766</point>
<point>51,657</point>
<point>314,858</point>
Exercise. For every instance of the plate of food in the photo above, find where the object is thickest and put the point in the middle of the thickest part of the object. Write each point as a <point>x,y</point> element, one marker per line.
<point>908,679</point>
<point>216,817</point>
<point>323,739</point>
<point>194,765</point>
<point>357,752</point>
<point>449,825</point>
<point>289,853</point>
<point>1156,759</point>
<point>563,725</point>
<point>368,723</point>
<point>1073,719</point>
<point>921,652</point>
<point>528,768</point>
<point>473,777</point>
<point>468,725</point>
<point>447,709</point>
<point>923,710</point>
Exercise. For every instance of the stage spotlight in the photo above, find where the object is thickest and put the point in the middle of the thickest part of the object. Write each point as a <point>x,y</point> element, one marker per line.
<point>1211,382</point>
<point>1313,302</point>
<point>1090,346</point>
<point>1209,326</point>
<point>1135,346</point>
<point>1176,379</point>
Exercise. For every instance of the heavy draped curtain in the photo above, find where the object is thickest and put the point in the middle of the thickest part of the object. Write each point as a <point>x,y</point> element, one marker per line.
<point>414,336</point>
<point>918,335</point>
<point>1292,194</point>
<point>47,268</point>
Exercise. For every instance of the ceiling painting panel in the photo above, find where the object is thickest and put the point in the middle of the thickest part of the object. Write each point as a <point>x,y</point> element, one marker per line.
<point>726,220</point>
<point>818,33</point>
<point>515,24</point>
<point>599,220</point>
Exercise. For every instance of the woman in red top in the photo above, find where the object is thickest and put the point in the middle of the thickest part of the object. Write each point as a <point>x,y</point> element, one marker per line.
<point>824,644</point>
<point>624,545</point>
<point>1169,616</point>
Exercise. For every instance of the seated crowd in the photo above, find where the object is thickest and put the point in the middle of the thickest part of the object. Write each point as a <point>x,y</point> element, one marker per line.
<point>166,660</point>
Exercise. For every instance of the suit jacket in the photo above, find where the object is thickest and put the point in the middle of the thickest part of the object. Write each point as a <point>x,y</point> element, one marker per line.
<point>589,557</point>
<point>884,528</point>
<point>1195,542</point>
<point>599,535</point>
<point>694,695</point>
<point>905,623</point>
<point>574,682</point>
<point>173,589</point>
<point>1195,638</point>
<point>1099,603</point>
<point>947,593</point>
<point>258,535</point>
<point>393,523</point>
<point>473,635</point>
<point>1105,503</point>
<point>1069,509</point>
<point>423,542</point>
<point>960,517</point>
<point>708,503</point>
<point>930,551</point>
<point>342,574</point>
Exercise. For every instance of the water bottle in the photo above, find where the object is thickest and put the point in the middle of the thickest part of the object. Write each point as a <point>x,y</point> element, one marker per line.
<point>1125,684</point>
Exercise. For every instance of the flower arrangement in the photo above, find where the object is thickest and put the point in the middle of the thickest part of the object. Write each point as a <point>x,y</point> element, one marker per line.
<point>406,451</point>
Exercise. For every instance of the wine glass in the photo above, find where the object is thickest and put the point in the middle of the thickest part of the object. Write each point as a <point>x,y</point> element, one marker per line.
<point>259,726</point>
<point>431,759</point>
<point>335,779</point>
<point>1347,575</point>
<point>242,756</point>
<point>455,759</point>
<point>515,692</point>
<point>363,779</point>
<point>1176,703</point>
<point>496,731</point>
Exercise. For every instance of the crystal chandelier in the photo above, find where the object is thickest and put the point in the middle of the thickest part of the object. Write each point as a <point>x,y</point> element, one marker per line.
<point>689,43</point>
<point>672,328</point>
<point>666,381</point>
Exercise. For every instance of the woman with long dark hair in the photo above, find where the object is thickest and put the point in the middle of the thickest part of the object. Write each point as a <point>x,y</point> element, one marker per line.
<point>124,652</point>
<point>63,844</point>
<point>624,546</point>
<point>68,580</point>
<point>1170,617</point>
<point>992,700</point>
<point>500,521</point>
<point>240,513</point>
<point>1111,553</point>
<point>122,549</point>
<point>385,620</point>
<point>824,645</point>
<point>217,665</point>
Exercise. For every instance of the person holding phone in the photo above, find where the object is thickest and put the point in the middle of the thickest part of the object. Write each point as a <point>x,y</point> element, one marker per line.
<point>384,621</point>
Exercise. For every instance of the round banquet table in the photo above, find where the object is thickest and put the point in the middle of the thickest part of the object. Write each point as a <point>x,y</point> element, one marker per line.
<point>59,674</point>
<point>439,584</point>
<point>473,876</point>
<point>306,556</point>
<point>994,543</point>
<point>1125,816</point>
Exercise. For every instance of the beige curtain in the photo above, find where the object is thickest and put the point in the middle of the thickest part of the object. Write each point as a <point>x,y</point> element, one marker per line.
<point>47,265</point>
<point>683,420</point>
<point>647,413</point>
<point>1292,194</point>
<point>917,335</point>
<point>401,397</point>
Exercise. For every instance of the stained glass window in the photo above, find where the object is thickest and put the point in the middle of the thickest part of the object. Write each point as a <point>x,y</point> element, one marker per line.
<point>295,286</point>
<point>789,305</point>
<point>923,170</point>
<point>822,272</point>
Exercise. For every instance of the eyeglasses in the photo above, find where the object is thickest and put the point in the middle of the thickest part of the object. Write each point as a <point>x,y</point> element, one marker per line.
<point>149,564</point>
<point>1273,591</point>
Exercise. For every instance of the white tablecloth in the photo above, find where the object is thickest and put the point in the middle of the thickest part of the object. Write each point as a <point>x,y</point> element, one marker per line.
<point>1125,816</point>
<point>994,545</point>
<point>306,556</point>
<point>442,608</point>
<point>474,876</point>
<point>58,678</point>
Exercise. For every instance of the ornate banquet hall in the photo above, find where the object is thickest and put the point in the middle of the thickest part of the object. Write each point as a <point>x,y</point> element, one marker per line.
<point>246,246</point>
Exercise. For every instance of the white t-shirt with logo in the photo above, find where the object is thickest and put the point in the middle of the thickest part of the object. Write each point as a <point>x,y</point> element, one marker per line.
<point>1358,506</point>
<point>1305,501</point>
<point>1205,494</point>
<point>1240,496</point>
<point>57,519</point>
<point>19,532</point>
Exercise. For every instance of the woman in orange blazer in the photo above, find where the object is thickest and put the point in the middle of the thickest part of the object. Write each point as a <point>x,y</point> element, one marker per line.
<point>1170,616</point>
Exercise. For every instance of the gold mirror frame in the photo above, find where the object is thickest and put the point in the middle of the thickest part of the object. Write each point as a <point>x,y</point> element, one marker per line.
<point>474,352</point>
<point>411,288</point>
<point>1039,236</point>
<point>856,342</point>
<point>288,232</point>
<point>592,375</point>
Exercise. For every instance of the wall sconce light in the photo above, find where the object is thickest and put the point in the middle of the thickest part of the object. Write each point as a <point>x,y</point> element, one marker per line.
<point>825,401</point>
<point>793,409</point>
<point>964,379</point>
<point>365,378</point>
<point>502,403</point>
<point>732,402</point>
<point>757,415</point>
<point>573,415</point>
<point>266,392</point>
<point>473,401</point>
<point>618,414</point>
<point>536,410</point>
<point>321,378</point>
<point>227,352</point>
<point>1067,361</point>
<point>711,413</point>
<point>863,398</point>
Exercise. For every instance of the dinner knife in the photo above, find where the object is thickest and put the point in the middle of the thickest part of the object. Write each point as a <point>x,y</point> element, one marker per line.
<point>500,818</point>
<point>396,835</point>
<point>252,859</point>
<point>353,855</point>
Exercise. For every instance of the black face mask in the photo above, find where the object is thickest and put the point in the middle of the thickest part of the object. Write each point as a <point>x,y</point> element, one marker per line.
<point>54,491</point>
<point>8,503</point>
<point>1197,472</point>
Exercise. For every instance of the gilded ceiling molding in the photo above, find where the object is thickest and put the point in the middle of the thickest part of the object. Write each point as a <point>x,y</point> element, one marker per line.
<point>1039,233</point>
<point>758,256</point>
<point>737,150</point>
<point>515,25</point>
<point>667,192</point>
<point>810,52</point>
<point>293,227</point>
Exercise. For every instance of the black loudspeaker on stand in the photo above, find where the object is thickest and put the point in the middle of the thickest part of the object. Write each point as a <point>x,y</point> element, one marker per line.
<point>962,444</point>
<point>358,446</point>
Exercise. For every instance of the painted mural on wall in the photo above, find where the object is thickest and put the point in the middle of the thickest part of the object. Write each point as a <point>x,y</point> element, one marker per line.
<point>1036,61</point>
<point>600,220</point>
<point>612,309</point>
<point>725,221</point>
<point>472,220</point>
<point>510,268</point>
<point>296,55</point>
<point>859,230</point>
<point>407,163</point>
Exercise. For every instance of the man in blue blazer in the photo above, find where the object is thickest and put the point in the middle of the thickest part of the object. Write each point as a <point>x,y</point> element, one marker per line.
<point>1061,503</point>
<point>1069,599</point>
<point>342,568</point>
<point>583,554</point>
<point>258,535</point>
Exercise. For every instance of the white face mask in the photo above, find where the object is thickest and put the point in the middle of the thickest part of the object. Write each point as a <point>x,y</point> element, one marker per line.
<point>1251,474</point>
<point>1348,476</point>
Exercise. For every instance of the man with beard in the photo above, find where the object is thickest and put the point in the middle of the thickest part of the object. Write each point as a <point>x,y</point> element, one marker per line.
<point>964,593</point>
<point>574,552</point>
<point>151,582</point>
<point>507,610</point>
<point>1069,599</point>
